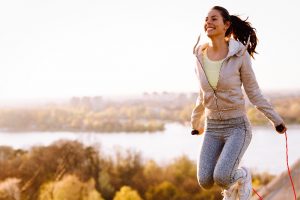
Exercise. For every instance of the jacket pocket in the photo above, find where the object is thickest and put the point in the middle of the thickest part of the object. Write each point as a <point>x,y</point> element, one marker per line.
<point>209,100</point>
<point>226,100</point>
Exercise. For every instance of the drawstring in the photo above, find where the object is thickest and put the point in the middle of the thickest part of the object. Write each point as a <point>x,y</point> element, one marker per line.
<point>194,49</point>
<point>246,45</point>
<point>288,167</point>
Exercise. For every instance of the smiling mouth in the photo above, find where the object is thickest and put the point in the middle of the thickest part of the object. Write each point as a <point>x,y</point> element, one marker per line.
<point>210,29</point>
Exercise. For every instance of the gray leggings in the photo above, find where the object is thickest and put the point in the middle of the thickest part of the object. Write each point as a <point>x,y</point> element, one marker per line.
<point>225,142</point>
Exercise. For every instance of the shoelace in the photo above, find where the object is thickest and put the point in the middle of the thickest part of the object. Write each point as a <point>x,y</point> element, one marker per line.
<point>226,193</point>
<point>289,171</point>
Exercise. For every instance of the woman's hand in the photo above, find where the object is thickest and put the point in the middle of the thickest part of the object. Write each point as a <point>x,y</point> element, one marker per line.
<point>197,132</point>
<point>281,128</point>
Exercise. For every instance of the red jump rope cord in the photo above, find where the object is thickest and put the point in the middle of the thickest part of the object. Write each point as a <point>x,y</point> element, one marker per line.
<point>287,164</point>
<point>288,167</point>
<point>260,198</point>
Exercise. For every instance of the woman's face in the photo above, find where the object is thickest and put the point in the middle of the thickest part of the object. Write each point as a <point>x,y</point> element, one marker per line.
<point>214,25</point>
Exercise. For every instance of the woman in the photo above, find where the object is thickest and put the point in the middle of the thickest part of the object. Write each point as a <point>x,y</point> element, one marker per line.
<point>223,66</point>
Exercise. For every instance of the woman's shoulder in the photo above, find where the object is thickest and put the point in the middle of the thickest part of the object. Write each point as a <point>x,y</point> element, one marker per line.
<point>201,48</point>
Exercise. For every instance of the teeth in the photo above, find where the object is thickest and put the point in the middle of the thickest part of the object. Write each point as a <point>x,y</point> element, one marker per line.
<point>210,29</point>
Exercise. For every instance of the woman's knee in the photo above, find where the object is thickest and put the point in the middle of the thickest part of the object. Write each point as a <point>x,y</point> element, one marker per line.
<point>205,181</point>
<point>222,179</point>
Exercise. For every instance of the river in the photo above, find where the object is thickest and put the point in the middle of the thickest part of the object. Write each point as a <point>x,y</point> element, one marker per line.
<point>266,151</point>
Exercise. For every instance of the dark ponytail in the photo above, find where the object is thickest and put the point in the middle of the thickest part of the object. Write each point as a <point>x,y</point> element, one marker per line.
<point>239,29</point>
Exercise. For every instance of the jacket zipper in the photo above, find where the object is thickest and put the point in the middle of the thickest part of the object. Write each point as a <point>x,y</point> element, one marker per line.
<point>214,90</point>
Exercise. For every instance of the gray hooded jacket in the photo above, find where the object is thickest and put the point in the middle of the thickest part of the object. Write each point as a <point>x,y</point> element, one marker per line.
<point>227,101</point>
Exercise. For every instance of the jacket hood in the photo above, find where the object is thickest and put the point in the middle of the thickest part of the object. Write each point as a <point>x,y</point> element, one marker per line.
<point>235,47</point>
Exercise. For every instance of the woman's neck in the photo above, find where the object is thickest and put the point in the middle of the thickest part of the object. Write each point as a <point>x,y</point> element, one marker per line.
<point>217,49</point>
<point>218,44</point>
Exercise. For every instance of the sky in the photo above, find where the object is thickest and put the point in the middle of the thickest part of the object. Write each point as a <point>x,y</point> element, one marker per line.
<point>64,48</point>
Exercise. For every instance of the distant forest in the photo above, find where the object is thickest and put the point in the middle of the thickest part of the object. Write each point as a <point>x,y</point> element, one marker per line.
<point>148,113</point>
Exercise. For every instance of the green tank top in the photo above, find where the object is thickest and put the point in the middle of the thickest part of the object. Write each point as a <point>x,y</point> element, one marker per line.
<point>212,69</point>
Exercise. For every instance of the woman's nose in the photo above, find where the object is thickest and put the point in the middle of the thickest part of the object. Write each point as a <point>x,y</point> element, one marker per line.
<point>208,21</point>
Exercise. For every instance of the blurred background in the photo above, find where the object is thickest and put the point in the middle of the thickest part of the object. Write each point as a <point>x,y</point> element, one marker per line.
<point>96,96</point>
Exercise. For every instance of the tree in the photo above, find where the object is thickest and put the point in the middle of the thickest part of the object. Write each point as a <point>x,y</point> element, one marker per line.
<point>127,193</point>
<point>69,188</point>
<point>9,189</point>
<point>163,191</point>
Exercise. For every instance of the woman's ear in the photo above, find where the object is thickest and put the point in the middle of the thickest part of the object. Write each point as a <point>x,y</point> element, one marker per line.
<point>227,25</point>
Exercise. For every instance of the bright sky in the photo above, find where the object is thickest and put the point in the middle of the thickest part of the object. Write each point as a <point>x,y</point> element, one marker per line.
<point>61,48</point>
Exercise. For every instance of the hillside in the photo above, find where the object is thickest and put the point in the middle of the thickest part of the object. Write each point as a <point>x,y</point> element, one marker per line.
<point>280,188</point>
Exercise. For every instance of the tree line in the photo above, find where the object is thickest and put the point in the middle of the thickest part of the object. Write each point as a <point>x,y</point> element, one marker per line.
<point>147,114</point>
<point>69,170</point>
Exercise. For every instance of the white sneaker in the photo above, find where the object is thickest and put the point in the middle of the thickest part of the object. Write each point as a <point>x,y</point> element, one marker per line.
<point>231,193</point>
<point>245,185</point>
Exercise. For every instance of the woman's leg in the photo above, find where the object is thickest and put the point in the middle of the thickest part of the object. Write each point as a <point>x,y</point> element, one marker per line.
<point>236,143</point>
<point>210,152</point>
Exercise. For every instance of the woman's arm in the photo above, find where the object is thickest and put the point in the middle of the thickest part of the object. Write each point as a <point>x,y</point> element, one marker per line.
<point>197,114</point>
<point>253,92</point>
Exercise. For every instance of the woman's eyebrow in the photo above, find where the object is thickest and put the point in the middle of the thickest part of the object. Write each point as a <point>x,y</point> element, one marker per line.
<point>211,16</point>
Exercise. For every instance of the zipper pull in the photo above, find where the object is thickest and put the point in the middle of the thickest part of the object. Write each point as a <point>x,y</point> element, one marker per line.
<point>215,94</point>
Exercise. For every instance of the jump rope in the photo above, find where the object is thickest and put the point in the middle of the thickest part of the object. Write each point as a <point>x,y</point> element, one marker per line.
<point>289,171</point>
